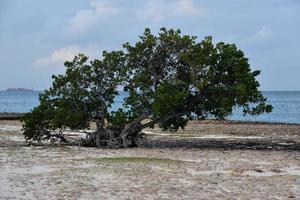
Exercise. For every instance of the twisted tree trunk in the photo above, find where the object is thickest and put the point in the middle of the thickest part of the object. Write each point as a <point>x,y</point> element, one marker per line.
<point>131,130</point>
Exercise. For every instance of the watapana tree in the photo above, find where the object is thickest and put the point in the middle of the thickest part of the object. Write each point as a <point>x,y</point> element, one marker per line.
<point>167,80</point>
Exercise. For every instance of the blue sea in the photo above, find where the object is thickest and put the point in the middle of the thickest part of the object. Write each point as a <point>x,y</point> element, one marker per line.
<point>286,105</point>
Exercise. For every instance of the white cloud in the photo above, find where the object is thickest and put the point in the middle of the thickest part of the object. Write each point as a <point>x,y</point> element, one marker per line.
<point>85,19</point>
<point>157,10</point>
<point>264,33</point>
<point>59,56</point>
<point>154,10</point>
<point>187,7</point>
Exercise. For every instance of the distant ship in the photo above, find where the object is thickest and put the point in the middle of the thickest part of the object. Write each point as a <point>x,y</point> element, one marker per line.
<point>19,90</point>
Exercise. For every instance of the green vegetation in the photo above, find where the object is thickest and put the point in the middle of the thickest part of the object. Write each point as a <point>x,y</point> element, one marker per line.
<point>170,79</point>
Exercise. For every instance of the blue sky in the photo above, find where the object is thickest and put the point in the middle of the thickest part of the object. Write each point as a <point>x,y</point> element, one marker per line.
<point>37,36</point>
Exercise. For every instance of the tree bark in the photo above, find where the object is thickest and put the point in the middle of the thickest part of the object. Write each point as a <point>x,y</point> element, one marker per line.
<point>132,129</point>
<point>98,133</point>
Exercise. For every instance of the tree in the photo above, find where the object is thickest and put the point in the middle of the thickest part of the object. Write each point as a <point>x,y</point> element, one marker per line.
<point>170,79</point>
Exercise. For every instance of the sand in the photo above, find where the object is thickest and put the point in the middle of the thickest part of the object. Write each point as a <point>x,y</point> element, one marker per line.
<point>158,172</point>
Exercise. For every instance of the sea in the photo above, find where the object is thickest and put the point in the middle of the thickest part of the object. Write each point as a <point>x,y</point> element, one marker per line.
<point>286,105</point>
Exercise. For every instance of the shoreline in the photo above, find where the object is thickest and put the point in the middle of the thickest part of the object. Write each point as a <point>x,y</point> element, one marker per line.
<point>11,115</point>
<point>18,116</point>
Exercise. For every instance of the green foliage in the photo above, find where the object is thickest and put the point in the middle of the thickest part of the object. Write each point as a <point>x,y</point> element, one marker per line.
<point>170,79</point>
<point>178,79</point>
<point>118,119</point>
<point>83,94</point>
<point>35,123</point>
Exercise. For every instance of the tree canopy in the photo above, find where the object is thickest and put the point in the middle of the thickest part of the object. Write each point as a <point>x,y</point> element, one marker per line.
<point>169,79</point>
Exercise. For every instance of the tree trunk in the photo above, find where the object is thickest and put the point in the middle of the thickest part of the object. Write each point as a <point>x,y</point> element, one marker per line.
<point>99,133</point>
<point>130,133</point>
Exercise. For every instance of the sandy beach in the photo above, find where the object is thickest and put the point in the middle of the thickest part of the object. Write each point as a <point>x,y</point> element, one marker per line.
<point>207,160</point>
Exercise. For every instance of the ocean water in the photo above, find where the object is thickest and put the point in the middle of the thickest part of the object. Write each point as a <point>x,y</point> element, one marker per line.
<point>286,105</point>
<point>18,101</point>
<point>286,108</point>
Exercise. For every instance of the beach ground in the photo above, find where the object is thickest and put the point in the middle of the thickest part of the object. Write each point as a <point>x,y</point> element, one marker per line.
<point>207,160</point>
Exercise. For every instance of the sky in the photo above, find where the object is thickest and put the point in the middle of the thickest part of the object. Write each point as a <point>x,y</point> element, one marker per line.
<point>37,36</point>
